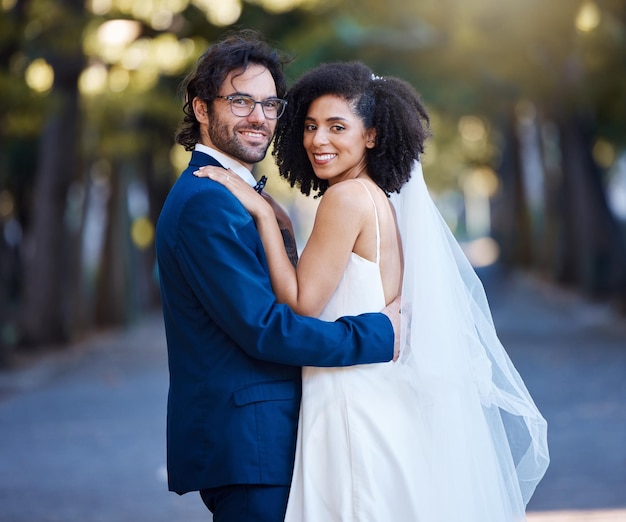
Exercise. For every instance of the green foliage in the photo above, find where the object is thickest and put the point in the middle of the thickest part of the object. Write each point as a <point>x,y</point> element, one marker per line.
<point>477,57</point>
<point>466,57</point>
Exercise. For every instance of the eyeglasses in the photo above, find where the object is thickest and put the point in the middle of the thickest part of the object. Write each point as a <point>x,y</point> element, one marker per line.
<point>243,106</point>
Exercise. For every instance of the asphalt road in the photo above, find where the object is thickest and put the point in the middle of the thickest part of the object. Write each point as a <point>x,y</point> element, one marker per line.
<point>82,428</point>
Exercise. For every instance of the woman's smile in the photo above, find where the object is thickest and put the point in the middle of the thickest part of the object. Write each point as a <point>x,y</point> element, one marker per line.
<point>335,139</point>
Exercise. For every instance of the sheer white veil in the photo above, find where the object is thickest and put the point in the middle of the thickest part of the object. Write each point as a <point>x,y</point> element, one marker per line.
<point>486,438</point>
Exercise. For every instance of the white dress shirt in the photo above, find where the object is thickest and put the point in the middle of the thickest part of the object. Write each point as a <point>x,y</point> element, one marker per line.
<point>229,163</point>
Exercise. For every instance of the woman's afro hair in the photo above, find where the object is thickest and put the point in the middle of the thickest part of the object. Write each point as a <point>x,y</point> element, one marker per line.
<point>389,104</point>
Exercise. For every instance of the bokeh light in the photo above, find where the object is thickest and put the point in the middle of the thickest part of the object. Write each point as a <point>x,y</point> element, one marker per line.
<point>93,79</point>
<point>481,181</point>
<point>7,205</point>
<point>588,17</point>
<point>99,7</point>
<point>603,153</point>
<point>169,54</point>
<point>118,32</point>
<point>222,13</point>
<point>481,252</point>
<point>142,232</point>
<point>472,128</point>
<point>161,19</point>
<point>179,158</point>
<point>40,76</point>
<point>118,79</point>
<point>137,54</point>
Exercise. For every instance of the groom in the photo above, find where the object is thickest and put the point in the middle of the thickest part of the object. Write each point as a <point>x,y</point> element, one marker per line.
<point>234,352</point>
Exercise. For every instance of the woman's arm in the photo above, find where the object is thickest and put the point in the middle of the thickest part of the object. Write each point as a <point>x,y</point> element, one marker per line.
<point>338,222</point>
<point>282,271</point>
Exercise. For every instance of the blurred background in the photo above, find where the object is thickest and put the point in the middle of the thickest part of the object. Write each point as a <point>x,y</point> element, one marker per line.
<point>527,162</point>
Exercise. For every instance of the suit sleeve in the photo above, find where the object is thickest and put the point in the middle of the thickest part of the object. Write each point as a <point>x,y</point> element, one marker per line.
<point>223,260</point>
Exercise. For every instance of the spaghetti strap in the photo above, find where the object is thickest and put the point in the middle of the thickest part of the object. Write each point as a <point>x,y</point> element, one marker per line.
<point>376,216</point>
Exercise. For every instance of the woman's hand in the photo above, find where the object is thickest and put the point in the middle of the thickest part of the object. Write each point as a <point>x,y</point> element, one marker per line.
<point>249,198</point>
<point>393,311</point>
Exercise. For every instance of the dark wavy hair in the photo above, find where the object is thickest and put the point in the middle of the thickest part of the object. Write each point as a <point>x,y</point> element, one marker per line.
<point>389,104</point>
<point>235,52</point>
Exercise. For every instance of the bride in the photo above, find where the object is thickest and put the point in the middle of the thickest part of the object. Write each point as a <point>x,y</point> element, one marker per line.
<point>449,432</point>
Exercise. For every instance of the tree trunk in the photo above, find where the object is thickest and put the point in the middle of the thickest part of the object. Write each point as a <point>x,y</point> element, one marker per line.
<point>594,254</point>
<point>551,244</point>
<point>46,308</point>
<point>511,222</point>
<point>9,265</point>
<point>157,188</point>
<point>46,248</point>
<point>113,282</point>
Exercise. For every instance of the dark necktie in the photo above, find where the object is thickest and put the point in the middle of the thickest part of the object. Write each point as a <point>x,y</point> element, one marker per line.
<point>261,184</point>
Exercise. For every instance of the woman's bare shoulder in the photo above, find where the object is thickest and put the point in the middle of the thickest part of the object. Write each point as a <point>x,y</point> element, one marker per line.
<point>349,196</point>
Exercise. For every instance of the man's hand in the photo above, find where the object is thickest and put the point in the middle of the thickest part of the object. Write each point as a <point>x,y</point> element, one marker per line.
<point>392,310</point>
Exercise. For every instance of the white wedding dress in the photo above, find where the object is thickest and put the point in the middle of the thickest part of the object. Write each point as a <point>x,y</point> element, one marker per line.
<point>410,441</point>
<point>355,426</point>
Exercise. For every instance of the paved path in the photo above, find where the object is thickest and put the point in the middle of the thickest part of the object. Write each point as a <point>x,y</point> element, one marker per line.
<point>82,429</point>
<point>572,356</point>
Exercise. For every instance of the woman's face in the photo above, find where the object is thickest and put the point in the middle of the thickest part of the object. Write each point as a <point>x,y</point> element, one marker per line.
<point>335,139</point>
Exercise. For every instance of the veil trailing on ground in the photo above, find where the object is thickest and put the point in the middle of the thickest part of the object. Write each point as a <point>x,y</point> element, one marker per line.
<point>486,440</point>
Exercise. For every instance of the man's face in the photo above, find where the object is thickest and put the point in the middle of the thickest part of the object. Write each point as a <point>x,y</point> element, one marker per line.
<point>245,139</point>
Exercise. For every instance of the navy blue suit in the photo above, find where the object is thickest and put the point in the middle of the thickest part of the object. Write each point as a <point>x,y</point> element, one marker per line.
<point>234,352</point>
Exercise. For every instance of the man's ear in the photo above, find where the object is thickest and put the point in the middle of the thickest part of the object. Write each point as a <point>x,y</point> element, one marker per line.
<point>200,110</point>
<point>371,138</point>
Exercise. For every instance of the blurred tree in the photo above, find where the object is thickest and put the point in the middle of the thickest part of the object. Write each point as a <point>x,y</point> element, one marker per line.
<point>11,101</point>
<point>88,112</point>
<point>49,259</point>
<point>548,78</point>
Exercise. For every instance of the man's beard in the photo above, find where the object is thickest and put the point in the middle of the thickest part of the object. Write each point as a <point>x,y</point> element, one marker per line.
<point>229,144</point>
